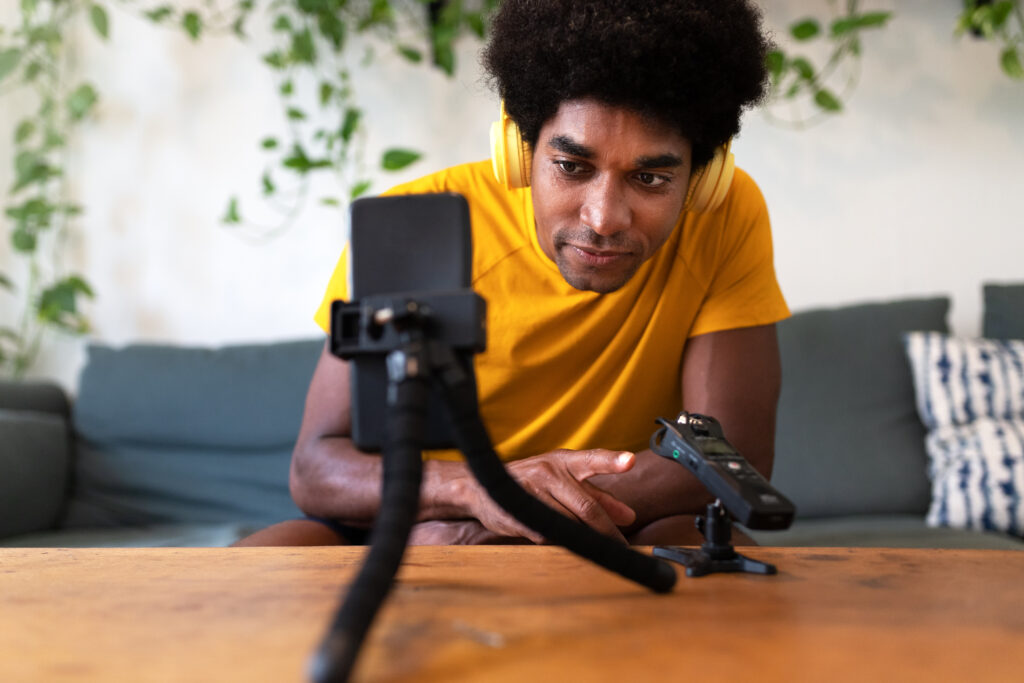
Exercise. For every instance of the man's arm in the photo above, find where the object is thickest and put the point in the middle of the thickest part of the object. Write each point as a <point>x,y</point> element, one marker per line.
<point>732,375</point>
<point>331,478</point>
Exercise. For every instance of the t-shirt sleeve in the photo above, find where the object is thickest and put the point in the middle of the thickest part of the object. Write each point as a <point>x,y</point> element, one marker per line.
<point>337,287</point>
<point>738,266</point>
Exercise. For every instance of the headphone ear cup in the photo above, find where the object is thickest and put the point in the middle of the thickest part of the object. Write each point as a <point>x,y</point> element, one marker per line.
<point>510,156</point>
<point>711,183</point>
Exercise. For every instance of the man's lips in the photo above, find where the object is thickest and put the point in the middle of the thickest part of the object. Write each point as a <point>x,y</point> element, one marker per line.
<point>597,257</point>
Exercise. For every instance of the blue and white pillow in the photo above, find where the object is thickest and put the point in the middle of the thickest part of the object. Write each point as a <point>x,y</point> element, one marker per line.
<point>970,395</point>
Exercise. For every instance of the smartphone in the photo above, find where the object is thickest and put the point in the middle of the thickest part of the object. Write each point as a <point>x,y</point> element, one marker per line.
<point>410,245</point>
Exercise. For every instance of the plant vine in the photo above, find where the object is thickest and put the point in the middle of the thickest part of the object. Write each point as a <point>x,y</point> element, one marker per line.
<point>315,47</point>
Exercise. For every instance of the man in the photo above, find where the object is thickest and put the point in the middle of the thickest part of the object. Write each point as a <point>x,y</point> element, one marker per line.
<point>610,301</point>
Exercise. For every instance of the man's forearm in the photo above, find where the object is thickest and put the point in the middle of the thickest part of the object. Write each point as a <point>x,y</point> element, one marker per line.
<point>331,478</point>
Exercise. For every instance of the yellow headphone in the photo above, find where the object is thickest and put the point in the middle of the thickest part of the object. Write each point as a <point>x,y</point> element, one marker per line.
<point>511,158</point>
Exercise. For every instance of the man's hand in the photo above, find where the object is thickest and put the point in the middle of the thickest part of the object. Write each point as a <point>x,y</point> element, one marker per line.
<point>559,479</point>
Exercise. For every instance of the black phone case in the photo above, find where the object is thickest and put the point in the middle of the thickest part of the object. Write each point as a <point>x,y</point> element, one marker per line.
<point>410,243</point>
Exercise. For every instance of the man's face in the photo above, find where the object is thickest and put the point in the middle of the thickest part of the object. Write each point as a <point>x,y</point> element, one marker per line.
<point>608,187</point>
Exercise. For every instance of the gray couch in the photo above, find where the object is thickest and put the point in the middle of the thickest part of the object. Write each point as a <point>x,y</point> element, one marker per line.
<point>182,446</point>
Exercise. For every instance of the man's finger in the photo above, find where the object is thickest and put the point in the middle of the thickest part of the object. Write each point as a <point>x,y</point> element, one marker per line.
<point>588,510</point>
<point>585,464</point>
<point>619,512</point>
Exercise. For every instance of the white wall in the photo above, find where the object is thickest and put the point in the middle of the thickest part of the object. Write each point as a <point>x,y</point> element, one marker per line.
<point>915,190</point>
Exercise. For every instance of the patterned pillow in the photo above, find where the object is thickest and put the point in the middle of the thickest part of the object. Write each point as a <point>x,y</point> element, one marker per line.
<point>970,395</point>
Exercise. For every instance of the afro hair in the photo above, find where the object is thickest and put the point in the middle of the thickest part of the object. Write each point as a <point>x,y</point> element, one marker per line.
<point>693,64</point>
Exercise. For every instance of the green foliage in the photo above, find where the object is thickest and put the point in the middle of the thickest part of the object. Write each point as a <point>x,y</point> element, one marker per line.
<point>312,45</point>
<point>36,212</point>
<point>1001,22</point>
<point>796,76</point>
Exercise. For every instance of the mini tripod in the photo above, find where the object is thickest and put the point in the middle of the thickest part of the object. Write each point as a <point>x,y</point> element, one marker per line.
<point>717,553</point>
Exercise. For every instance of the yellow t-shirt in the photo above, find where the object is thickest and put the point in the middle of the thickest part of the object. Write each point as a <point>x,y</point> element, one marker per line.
<point>566,368</point>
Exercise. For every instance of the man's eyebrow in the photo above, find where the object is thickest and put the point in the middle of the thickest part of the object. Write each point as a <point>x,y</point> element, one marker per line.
<point>566,145</point>
<point>660,161</point>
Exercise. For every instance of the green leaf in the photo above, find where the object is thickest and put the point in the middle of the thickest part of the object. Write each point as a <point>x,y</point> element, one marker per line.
<point>380,13</point>
<point>268,184</point>
<point>827,101</point>
<point>269,143</point>
<point>803,68</point>
<point>303,50</point>
<point>475,21</point>
<point>326,92</point>
<point>296,114</point>
<point>78,285</point>
<point>282,23</point>
<point>360,188</point>
<point>287,88</point>
<point>159,14</point>
<point>24,131</point>
<point>444,58</point>
<point>351,122</point>
<point>193,24</point>
<point>805,29</point>
<point>411,53</point>
<point>23,240</point>
<point>9,59</point>
<point>848,24</point>
<point>1011,63</point>
<point>238,27</point>
<point>397,159</point>
<point>32,71</point>
<point>276,59</point>
<point>333,29</point>
<point>775,62</point>
<point>231,215</point>
<point>873,19</point>
<point>58,303</point>
<point>30,168</point>
<point>81,101</point>
<point>100,21</point>
<point>330,201</point>
<point>5,283</point>
<point>1000,13</point>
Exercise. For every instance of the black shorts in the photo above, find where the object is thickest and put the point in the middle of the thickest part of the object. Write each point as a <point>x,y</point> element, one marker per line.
<point>351,534</point>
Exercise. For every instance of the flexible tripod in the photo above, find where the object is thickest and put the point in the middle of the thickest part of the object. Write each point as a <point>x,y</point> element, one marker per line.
<point>404,331</point>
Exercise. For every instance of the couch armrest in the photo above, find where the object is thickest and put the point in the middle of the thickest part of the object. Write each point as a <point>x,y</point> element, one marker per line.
<point>35,461</point>
<point>40,397</point>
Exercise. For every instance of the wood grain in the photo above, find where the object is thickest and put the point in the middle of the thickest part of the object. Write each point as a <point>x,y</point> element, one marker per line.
<point>519,613</point>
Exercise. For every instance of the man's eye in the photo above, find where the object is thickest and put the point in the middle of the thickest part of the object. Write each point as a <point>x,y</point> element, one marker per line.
<point>569,167</point>
<point>651,179</point>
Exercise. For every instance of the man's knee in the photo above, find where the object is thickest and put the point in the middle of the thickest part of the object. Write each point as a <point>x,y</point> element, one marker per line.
<point>293,532</point>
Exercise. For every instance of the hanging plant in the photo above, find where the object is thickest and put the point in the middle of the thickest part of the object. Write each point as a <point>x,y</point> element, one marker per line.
<point>1001,22</point>
<point>314,44</point>
<point>805,91</point>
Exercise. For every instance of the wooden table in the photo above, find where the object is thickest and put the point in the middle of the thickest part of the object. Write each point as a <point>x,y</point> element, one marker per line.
<point>512,614</point>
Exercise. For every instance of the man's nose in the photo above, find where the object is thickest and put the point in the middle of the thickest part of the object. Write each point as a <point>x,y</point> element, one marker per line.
<point>605,210</point>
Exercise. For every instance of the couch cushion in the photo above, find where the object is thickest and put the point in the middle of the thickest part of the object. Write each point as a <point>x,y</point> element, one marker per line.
<point>233,397</point>
<point>849,440</point>
<point>171,434</point>
<point>35,458</point>
<point>1004,312</point>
